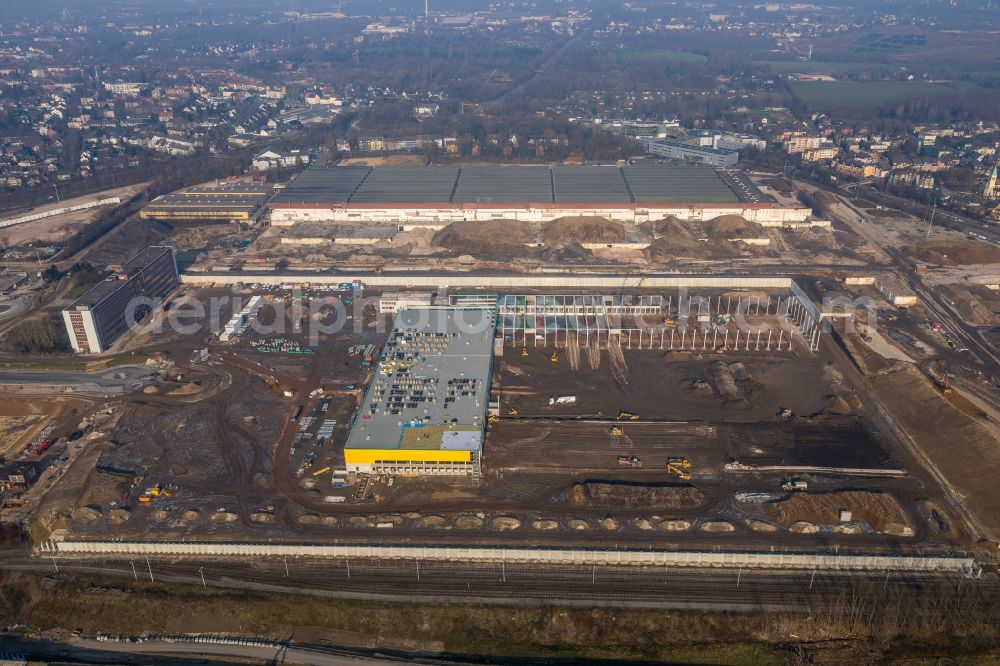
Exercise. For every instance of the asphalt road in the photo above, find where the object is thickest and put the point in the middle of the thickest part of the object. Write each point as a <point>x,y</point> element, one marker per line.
<point>122,377</point>
<point>179,652</point>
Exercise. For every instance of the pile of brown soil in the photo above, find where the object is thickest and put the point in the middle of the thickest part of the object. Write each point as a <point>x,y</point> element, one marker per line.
<point>582,229</point>
<point>733,226</point>
<point>505,238</point>
<point>955,253</point>
<point>876,509</point>
<point>669,226</point>
<point>608,494</point>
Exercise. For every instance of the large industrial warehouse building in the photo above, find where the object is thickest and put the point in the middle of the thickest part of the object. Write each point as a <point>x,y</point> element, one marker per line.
<point>438,195</point>
<point>425,409</point>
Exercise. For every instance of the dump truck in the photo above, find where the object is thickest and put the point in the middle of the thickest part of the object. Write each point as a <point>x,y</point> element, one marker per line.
<point>562,400</point>
<point>794,485</point>
<point>630,461</point>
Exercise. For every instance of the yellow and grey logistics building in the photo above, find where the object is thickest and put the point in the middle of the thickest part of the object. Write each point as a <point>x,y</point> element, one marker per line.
<point>229,201</point>
<point>424,412</point>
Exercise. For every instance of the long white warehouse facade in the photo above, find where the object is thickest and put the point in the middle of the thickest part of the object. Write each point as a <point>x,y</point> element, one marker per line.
<point>438,195</point>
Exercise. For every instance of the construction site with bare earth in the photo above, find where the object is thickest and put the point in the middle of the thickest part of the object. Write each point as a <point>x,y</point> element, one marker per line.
<point>726,398</point>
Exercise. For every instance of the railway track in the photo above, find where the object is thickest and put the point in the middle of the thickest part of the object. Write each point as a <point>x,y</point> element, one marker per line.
<point>746,590</point>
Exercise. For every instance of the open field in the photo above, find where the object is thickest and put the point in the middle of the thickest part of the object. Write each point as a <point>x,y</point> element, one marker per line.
<point>59,227</point>
<point>818,67</point>
<point>863,93</point>
<point>385,160</point>
<point>653,55</point>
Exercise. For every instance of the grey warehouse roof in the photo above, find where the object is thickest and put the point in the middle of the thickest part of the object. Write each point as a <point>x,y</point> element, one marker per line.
<point>434,370</point>
<point>644,183</point>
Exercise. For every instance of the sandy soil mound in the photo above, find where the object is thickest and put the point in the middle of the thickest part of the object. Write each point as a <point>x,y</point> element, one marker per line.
<point>669,226</point>
<point>616,495</point>
<point>468,521</point>
<point>506,523</point>
<point>503,238</point>
<point>582,229</point>
<point>876,509</point>
<point>717,526</point>
<point>308,519</point>
<point>733,226</point>
<point>955,253</point>
<point>545,525</point>
<point>85,514</point>
<point>431,521</point>
<point>119,516</point>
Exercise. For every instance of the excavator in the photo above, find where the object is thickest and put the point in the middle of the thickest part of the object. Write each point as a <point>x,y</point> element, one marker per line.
<point>524,351</point>
<point>554,358</point>
<point>627,416</point>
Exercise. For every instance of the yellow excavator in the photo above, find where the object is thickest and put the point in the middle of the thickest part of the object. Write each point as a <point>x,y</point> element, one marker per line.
<point>554,358</point>
<point>513,411</point>
<point>627,416</point>
<point>524,351</point>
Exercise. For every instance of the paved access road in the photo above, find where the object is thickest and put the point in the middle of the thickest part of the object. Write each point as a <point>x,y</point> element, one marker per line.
<point>123,378</point>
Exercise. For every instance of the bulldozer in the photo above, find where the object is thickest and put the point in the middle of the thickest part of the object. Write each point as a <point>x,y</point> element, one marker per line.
<point>617,431</point>
<point>678,467</point>
<point>627,416</point>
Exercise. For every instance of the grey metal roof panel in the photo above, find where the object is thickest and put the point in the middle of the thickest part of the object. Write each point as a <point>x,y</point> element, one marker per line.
<point>504,184</point>
<point>655,183</point>
<point>407,185</point>
<point>323,185</point>
<point>589,184</point>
